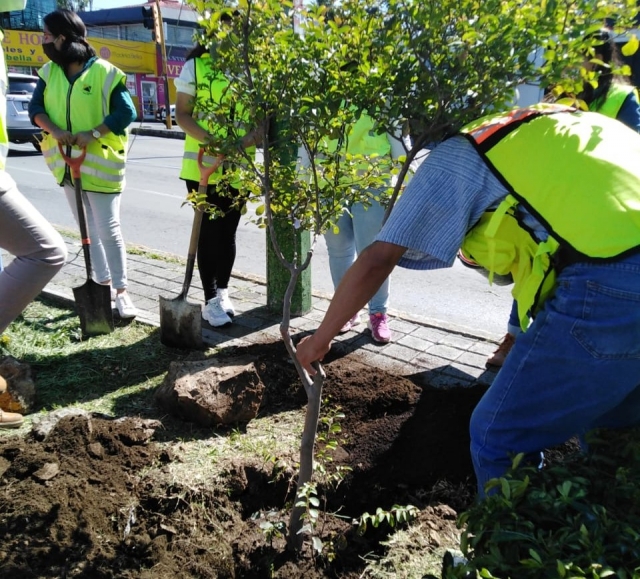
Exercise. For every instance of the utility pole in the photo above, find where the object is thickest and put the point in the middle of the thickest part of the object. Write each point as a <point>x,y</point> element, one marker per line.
<point>292,241</point>
<point>152,18</point>
<point>163,52</point>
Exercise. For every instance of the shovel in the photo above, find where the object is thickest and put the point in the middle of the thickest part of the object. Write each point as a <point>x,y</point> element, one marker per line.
<point>180,321</point>
<point>93,300</point>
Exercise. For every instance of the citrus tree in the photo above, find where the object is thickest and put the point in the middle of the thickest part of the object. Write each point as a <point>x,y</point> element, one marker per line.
<point>302,75</point>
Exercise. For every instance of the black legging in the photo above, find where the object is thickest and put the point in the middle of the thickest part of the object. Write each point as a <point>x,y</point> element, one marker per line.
<point>217,243</point>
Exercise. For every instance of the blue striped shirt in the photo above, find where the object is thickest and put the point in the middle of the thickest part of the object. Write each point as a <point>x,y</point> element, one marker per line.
<point>445,198</point>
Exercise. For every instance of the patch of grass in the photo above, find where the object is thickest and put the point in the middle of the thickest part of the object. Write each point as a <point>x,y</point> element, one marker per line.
<point>152,254</point>
<point>117,374</point>
<point>113,374</point>
<point>132,249</point>
<point>410,554</point>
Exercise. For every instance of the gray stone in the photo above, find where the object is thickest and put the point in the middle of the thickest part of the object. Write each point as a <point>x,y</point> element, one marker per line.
<point>47,472</point>
<point>45,423</point>
<point>212,392</point>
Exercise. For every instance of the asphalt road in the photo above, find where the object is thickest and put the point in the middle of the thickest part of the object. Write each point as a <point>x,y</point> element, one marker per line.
<point>152,216</point>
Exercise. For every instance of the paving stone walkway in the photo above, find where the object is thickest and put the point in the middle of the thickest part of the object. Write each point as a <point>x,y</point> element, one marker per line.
<point>427,351</point>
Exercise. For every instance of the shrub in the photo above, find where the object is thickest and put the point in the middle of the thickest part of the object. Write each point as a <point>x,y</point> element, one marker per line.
<point>577,518</point>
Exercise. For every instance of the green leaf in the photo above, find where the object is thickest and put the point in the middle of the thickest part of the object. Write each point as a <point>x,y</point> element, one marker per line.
<point>506,489</point>
<point>631,46</point>
<point>317,544</point>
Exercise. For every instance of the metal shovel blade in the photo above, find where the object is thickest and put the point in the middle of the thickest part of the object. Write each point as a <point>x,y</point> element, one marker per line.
<point>93,302</point>
<point>181,323</point>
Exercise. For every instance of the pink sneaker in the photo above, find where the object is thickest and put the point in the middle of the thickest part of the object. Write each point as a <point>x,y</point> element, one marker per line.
<point>352,323</point>
<point>378,324</point>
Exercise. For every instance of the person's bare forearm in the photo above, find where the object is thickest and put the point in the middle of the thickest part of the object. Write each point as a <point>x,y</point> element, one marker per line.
<point>189,125</point>
<point>359,284</point>
<point>45,123</point>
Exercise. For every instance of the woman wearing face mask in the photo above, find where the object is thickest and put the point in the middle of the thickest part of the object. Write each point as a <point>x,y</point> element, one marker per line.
<point>82,101</point>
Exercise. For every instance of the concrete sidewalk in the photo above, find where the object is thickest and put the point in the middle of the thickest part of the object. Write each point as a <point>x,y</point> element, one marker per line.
<point>431,353</point>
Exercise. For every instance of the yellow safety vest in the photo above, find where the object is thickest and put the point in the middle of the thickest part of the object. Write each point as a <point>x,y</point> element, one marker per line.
<point>577,173</point>
<point>362,139</point>
<point>211,87</point>
<point>4,87</point>
<point>82,106</point>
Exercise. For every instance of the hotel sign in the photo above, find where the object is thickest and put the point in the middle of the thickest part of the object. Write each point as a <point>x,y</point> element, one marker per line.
<point>24,48</point>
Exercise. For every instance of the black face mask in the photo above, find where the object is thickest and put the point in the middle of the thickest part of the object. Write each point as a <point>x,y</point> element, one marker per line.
<point>53,54</point>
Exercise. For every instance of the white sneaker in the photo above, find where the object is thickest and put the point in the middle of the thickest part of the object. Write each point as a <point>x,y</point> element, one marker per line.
<point>225,302</point>
<point>214,314</point>
<point>125,306</point>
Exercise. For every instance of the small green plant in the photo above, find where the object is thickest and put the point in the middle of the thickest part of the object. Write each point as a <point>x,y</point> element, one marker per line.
<point>329,477</point>
<point>307,499</point>
<point>397,514</point>
<point>577,518</point>
<point>272,527</point>
<point>328,439</point>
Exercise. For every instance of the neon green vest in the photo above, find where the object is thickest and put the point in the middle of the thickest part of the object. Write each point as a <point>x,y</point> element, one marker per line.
<point>4,85</point>
<point>81,106</point>
<point>615,97</point>
<point>577,173</point>
<point>211,87</point>
<point>363,140</point>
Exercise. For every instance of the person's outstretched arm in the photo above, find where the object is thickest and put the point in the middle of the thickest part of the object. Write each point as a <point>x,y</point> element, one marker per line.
<point>358,285</point>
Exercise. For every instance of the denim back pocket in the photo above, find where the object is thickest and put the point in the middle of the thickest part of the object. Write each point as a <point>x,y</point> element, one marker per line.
<point>610,324</point>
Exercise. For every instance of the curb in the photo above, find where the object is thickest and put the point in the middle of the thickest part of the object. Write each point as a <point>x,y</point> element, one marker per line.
<point>165,133</point>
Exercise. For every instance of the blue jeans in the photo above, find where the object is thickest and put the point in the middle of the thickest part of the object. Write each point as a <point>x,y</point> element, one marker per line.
<point>357,230</point>
<point>577,367</point>
<point>107,249</point>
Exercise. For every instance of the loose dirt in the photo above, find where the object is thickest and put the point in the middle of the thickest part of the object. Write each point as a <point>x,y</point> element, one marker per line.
<point>91,500</point>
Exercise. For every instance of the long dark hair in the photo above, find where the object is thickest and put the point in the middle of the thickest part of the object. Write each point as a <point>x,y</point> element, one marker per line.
<point>197,51</point>
<point>606,50</point>
<point>200,49</point>
<point>68,24</point>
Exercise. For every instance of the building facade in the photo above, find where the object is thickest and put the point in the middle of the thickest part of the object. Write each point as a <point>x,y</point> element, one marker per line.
<point>149,89</point>
<point>30,18</point>
<point>119,36</point>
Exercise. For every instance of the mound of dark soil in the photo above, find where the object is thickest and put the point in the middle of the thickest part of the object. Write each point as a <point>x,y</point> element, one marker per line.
<point>80,503</point>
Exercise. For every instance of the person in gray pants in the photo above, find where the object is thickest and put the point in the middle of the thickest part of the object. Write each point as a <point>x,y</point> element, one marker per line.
<point>39,251</point>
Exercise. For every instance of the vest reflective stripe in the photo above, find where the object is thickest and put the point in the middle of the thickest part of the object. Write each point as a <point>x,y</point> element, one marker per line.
<point>582,183</point>
<point>211,86</point>
<point>103,169</point>
<point>107,87</point>
<point>4,152</point>
<point>616,95</point>
<point>81,107</point>
<point>4,89</point>
<point>206,159</point>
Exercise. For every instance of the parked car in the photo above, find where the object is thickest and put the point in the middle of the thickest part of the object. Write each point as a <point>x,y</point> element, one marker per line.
<point>19,126</point>
<point>161,113</point>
